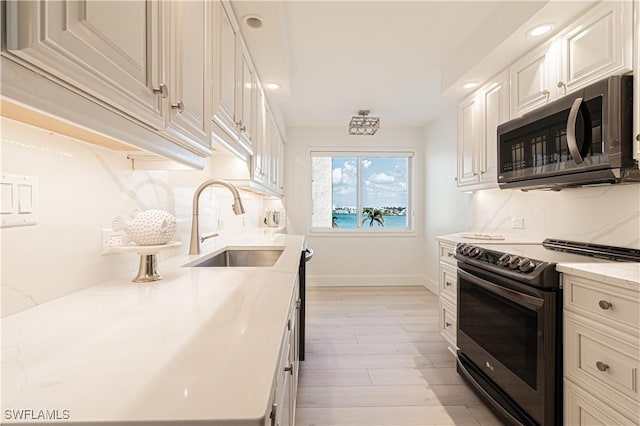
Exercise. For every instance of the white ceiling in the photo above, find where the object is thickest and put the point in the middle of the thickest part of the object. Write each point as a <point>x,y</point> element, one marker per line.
<point>334,58</point>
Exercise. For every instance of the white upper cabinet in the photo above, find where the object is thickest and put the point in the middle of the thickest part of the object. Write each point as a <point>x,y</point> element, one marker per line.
<point>234,85</point>
<point>494,100</point>
<point>597,45</point>
<point>478,118</point>
<point>189,70</point>
<point>531,79</point>
<point>245,98</point>
<point>111,50</point>
<point>224,69</point>
<point>468,135</point>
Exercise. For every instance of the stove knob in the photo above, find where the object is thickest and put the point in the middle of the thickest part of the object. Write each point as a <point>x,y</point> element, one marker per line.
<point>475,252</point>
<point>466,250</point>
<point>504,260</point>
<point>460,247</point>
<point>515,262</point>
<point>527,266</point>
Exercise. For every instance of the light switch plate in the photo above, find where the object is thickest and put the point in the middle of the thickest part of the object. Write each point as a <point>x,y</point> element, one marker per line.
<point>19,200</point>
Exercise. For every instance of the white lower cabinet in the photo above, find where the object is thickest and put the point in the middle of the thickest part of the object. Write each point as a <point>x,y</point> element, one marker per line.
<point>601,352</point>
<point>448,283</point>
<point>286,380</point>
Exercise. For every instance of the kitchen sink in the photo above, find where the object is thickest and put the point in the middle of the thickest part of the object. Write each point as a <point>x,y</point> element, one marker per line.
<point>239,258</point>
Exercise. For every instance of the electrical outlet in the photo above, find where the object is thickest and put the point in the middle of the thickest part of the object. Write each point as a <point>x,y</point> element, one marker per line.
<point>111,238</point>
<point>517,222</point>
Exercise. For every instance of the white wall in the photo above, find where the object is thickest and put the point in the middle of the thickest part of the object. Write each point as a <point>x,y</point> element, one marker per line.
<point>81,188</point>
<point>447,207</point>
<point>354,260</point>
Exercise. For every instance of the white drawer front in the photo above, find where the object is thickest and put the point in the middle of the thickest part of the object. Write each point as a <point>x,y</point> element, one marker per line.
<point>448,321</point>
<point>603,362</point>
<point>618,306</point>
<point>448,282</point>
<point>581,409</point>
<point>446,252</point>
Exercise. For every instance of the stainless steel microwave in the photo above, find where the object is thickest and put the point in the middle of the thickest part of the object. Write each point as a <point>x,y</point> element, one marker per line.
<point>584,138</point>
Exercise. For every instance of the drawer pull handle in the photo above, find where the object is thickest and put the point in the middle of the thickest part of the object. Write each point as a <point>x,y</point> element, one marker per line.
<point>604,304</point>
<point>289,369</point>
<point>447,324</point>
<point>602,366</point>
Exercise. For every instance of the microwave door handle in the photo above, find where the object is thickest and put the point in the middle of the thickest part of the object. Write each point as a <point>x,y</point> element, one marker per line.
<point>519,298</point>
<point>572,143</point>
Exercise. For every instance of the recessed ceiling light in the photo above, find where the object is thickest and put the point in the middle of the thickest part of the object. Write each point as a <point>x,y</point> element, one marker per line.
<point>470,84</point>
<point>253,21</point>
<point>272,86</point>
<point>539,30</point>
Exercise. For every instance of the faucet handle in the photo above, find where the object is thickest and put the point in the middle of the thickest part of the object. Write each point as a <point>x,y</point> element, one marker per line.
<point>206,237</point>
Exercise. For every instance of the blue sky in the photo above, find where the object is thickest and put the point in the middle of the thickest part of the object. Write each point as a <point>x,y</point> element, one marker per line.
<point>384,181</point>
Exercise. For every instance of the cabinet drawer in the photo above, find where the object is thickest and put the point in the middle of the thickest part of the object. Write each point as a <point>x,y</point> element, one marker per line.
<point>580,409</point>
<point>448,321</point>
<point>448,282</point>
<point>616,306</point>
<point>606,364</point>
<point>446,252</point>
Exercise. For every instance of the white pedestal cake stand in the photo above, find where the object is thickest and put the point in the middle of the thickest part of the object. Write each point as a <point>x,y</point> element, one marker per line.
<point>148,270</point>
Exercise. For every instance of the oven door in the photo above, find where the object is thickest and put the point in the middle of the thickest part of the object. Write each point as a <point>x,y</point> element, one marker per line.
<point>508,331</point>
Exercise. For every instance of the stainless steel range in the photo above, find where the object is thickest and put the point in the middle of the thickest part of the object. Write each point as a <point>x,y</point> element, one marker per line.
<point>510,323</point>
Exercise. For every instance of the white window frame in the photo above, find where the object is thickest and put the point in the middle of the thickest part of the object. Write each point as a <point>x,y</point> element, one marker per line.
<point>366,230</point>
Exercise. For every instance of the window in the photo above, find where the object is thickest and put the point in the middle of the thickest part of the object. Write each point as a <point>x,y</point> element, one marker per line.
<point>361,191</point>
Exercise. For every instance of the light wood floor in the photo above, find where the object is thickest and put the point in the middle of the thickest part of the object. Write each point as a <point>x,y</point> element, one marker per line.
<point>374,357</point>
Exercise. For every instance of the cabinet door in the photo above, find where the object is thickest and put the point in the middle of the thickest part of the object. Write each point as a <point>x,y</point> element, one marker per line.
<point>246,83</point>
<point>467,141</point>
<point>224,70</point>
<point>109,50</point>
<point>597,45</point>
<point>494,111</point>
<point>263,137</point>
<point>189,71</point>
<point>530,78</point>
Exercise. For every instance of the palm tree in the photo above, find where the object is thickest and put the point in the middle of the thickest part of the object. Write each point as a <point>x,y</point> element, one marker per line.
<point>373,215</point>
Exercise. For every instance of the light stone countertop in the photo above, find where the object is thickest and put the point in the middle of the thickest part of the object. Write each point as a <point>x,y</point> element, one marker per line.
<point>623,274</point>
<point>458,238</point>
<point>201,345</point>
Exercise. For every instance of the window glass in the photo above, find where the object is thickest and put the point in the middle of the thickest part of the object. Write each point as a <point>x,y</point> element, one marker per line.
<point>361,192</point>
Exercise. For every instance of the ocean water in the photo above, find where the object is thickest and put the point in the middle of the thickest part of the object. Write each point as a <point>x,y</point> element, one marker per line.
<point>346,220</point>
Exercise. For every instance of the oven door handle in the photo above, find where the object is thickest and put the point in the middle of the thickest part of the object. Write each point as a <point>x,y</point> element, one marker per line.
<point>572,142</point>
<point>514,296</point>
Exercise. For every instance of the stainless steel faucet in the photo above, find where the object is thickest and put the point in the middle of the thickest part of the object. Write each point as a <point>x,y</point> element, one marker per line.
<point>238,208</point>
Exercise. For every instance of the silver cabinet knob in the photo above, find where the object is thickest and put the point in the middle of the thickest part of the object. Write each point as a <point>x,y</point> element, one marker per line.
<point>561,84</point>
<point>604,304</point>
<point>546,93</point>
<point>449,254</point>
<point>289,369</point>
<point>602,366</point>
<point>448,284</point>
<point>638,137</point>
<point>447,324</point>
<point>179,106</point>
<point>163,90</point>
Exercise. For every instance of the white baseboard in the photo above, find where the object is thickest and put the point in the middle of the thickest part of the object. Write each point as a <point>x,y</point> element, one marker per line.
<point>432,286</point>
<point>365,280</point>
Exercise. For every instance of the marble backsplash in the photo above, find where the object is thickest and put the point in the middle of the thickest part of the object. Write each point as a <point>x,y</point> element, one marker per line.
<point>604,214</point>
<point>81,188</point>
